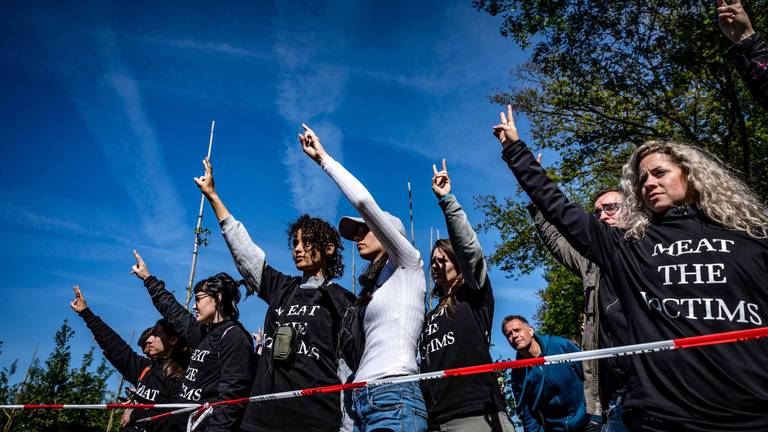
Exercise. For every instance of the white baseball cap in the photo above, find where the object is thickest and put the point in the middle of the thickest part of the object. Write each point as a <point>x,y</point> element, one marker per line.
<point>350,225</point>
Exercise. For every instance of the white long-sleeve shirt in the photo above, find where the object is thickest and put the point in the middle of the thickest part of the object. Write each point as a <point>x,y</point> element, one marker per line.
<point>395,315</point>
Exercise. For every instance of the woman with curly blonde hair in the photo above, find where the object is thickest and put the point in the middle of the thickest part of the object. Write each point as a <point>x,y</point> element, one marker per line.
<point>692,261</point>
<point>720,195</point>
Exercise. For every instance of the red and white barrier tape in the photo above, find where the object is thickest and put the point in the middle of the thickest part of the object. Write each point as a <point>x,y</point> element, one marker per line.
<point>627,350</point>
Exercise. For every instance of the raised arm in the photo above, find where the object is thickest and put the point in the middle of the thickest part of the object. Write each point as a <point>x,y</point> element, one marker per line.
<point>249,258</point>
<point>734,21</point>
<point>750,50</point>
<point>399,249</point>
<point>165,303</point>
<point>116,349</point>
<point>463,238</point>
<point>585,233</point>
<point>557,244</point>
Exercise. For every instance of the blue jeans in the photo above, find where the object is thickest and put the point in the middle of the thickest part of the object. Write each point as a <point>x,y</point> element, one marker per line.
<point>613,421</point>
<point>392,407</point>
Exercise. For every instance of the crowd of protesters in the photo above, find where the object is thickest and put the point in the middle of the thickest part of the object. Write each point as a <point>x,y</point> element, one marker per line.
<point>679,249</point>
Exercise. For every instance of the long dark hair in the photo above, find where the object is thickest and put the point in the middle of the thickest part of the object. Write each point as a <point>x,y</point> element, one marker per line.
<point>368,279</point>
<point>175,363</point>
<point>447,295</point>
<point>222,283</point>
<point>176,356</point>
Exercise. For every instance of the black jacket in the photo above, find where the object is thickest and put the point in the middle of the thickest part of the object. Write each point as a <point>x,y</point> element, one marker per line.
<point>751,59</point>
<point>220,367</point>
<point>144,374</point>
<point>687,276</point>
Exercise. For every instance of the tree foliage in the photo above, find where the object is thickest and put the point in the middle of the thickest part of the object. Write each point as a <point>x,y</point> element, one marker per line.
<point>56,381</point>
<point>603,78</point>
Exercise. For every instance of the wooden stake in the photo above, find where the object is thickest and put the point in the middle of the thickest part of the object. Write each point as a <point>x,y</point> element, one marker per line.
<point>19,394</point>
<point>196,249</point>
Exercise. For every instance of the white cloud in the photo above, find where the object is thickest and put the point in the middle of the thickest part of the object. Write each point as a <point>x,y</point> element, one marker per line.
<point>110,102</point>
<point>309,91</point>
<point>221,48</point>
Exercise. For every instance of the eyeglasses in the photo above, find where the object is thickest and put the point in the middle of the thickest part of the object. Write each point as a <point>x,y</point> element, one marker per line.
<point>610,209</point>
<point>204,296</point>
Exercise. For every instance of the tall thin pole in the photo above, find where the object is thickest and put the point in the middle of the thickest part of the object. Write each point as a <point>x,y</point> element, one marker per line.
<point>431,280</point>
<point>354,288</point>
<point>22,389</point>
<point>196,249</point>
<point>410,207</point>
<point>119,389</point>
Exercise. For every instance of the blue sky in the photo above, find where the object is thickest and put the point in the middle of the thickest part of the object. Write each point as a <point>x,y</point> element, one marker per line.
<point>107,108</point>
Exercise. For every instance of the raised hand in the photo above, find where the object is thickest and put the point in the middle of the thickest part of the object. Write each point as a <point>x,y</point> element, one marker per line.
<point>205,182</point>
<point>310,143</point>
<point>506,131</point>
<point>734,21</point>
<point>125,420</point>
<point>139,269</point>
<point>441,182</point>
<point>78,304</point>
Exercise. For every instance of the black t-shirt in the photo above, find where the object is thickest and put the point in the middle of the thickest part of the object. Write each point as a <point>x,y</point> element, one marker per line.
<point>687,276</point>
<point>220,367</point>
<point>144,374</point>
<point>315,314</point>
<point>458,338</point>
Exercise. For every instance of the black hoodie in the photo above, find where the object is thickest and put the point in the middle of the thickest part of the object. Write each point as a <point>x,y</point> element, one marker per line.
<point>220,367</point>
<point>687,276</point>
<point>316,315</point>
<point>143,373</point>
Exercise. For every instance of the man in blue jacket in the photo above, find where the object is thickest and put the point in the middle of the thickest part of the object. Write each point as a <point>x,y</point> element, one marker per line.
<point>548,398</point>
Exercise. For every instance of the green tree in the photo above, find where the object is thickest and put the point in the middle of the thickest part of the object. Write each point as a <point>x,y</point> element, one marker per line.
<point>603,78</point>
<point>7,390</point>
<point>57,382</point>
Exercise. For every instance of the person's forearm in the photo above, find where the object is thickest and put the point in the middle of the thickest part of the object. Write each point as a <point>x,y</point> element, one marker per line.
<point>572,221</point>
<point>249,258</point>
<point>465,243</point>
<point>557,245</point>
<point>218,206</point>
<point>397,246</point>
<point>751,59</point>
<point>116,349</point>
<point>167,305</point>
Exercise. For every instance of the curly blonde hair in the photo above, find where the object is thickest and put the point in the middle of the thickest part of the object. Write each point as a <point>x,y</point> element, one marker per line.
<point>718,192</point>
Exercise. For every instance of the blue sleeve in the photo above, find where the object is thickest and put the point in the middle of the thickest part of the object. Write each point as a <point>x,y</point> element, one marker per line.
<point>522,410</point>
<point>529,422</point>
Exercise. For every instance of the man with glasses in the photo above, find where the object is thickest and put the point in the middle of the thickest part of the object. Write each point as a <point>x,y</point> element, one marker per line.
<point>604,324</point>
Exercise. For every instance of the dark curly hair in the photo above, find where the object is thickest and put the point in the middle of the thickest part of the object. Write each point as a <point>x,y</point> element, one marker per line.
<point>317,234</point>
